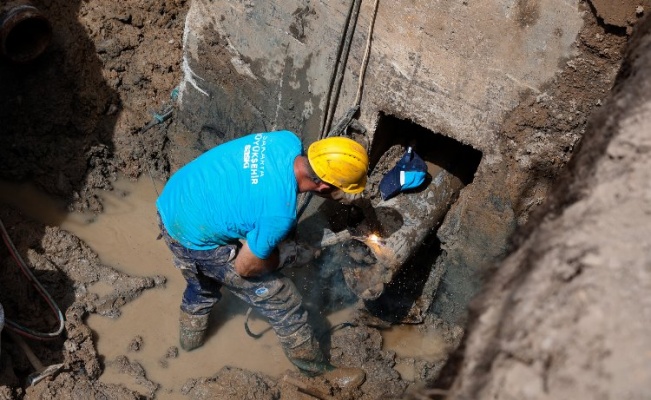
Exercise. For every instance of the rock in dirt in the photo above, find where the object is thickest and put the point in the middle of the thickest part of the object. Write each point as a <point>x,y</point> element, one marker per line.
<point>621,13</point>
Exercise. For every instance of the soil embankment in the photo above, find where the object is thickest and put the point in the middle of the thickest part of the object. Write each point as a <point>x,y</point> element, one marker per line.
<point>566,315</point>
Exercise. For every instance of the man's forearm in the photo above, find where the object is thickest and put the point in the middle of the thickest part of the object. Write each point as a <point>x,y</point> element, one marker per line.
<point>251,271</point>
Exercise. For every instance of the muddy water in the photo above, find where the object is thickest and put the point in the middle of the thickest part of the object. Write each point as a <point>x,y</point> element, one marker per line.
<point>124,236</point>
<point>410,343</point>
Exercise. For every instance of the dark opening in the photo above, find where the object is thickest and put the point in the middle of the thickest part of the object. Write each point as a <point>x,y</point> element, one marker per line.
<point>459,159</point>
<point>406,297</point>
<point>27,39</point>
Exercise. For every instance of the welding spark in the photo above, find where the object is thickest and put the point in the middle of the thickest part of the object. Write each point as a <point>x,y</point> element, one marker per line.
<point>374,238</point>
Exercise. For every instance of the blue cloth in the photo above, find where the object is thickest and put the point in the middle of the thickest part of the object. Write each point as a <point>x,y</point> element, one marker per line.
<point>242,189</point>
<point>409,173</point>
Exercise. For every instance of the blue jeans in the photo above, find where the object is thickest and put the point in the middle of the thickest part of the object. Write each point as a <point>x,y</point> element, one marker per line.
<point>273,295</point>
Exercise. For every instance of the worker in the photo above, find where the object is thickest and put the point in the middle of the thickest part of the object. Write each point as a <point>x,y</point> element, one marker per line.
<point>226,217</point>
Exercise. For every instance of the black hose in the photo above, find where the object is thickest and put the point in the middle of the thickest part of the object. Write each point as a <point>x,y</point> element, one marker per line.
<point>15,327</point>
<point>340,68</point>
<point>248,330</point>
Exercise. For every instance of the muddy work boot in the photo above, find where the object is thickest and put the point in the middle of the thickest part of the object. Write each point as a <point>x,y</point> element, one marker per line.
<point>192,330</point>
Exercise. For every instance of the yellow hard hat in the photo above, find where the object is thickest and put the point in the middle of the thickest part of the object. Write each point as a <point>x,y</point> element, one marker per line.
<point>339,161</point>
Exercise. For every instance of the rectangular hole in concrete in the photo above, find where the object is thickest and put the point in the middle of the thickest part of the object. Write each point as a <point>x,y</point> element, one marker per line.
<point>459,159</point>
<point>410,291</point>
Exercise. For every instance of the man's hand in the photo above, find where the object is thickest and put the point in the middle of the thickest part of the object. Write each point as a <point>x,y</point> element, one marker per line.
<point>296,254</point>
<point>347,198</point>
<point>247,265</point>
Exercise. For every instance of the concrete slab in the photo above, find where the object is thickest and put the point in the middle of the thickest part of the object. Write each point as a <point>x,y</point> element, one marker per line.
<point>452,66</point>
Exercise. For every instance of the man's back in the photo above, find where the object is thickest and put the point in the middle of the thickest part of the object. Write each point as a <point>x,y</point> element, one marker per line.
<point>242,189</point>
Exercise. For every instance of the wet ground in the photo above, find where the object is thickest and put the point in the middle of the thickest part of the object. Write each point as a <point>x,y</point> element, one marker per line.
<point>137,343</point>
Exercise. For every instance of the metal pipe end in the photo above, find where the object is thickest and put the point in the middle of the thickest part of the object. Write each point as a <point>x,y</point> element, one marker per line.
<point>24,33</point>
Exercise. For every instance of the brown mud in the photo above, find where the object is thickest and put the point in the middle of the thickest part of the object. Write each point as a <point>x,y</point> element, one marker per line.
<point>72,122</point>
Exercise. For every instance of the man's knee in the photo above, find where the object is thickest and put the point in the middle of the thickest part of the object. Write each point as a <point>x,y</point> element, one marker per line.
<point>281,303</point>
<point>280,294</point>
<point>200,294</point>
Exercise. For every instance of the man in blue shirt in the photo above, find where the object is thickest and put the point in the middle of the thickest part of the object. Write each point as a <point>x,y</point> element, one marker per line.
<point>225,215</point>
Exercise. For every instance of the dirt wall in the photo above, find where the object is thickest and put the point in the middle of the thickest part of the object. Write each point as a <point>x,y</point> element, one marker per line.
<point>69,125</point>
<point>71,118</point>
<point>566,315</point>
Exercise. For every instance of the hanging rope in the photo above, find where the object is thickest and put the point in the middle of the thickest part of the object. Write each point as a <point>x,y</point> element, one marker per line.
<point>13,326</point>
<point>367,52</point>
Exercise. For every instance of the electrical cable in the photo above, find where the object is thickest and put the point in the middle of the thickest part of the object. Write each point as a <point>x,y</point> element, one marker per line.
<point>159,118</point>
<point>248,330</point>
<point>15,327</point>
<point>336,327</point>
<point>342,60</point>
<point>336,76</point>
<point>332,329</point>
<point>305,198</point>
<point>328,108</point>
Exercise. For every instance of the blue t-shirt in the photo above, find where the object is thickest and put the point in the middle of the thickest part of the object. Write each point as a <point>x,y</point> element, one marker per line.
<point>242,189</point>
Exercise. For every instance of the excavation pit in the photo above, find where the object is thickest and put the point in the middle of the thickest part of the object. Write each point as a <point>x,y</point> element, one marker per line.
<point>513,82</point>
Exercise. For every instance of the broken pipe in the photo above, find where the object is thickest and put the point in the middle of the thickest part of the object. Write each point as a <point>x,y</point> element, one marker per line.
<point>24,31</point>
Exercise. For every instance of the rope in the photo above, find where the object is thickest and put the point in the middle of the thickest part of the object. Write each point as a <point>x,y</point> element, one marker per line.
<point>367,52</point>
<point>15,327</point>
